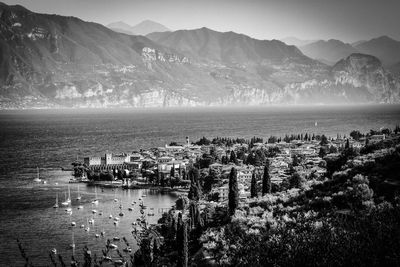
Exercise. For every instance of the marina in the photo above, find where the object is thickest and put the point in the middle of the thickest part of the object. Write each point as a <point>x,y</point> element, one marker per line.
<point>72,227</point>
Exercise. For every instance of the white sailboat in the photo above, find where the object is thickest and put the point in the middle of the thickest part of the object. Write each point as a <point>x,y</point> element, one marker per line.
<point>73,241</point>
<point>37,179</point>
<point>69,195</point>
<point>65,203</point>
<point>120,209</point>
<point>56,205</point>
<point>79,197</point>
<point>316,123</point>
<point>87,229</point>
<point>115,195</point>
<point>95,201</point>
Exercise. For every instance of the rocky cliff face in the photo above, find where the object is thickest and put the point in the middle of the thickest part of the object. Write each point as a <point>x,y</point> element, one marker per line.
<point>55,61</point>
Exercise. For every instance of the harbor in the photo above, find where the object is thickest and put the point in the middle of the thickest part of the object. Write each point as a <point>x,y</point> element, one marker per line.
<point>117,214</point>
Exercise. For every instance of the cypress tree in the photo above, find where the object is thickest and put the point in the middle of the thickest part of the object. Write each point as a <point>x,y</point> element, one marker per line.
<point>233,157</point>
<point>266,187</point>
<point>233,194</point>
<point>182,242</point>
<point>179,239</point>
<point>185,248</point>
<point>347,146</point>
<point>253,189</point>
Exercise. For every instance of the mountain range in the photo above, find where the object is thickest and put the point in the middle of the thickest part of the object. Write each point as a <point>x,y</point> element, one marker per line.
<point>329,52</point>
<point>143,28</point>
<point>57,61</point>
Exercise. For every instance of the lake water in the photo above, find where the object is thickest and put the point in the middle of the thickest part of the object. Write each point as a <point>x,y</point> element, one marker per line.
<point>51,139</point>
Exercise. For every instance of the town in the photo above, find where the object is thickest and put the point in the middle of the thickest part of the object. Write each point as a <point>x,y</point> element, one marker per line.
<point>243,201</point>
<point>170,167</point>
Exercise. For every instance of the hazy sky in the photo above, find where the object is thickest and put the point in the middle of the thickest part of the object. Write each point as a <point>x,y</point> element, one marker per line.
<point>347,20</point>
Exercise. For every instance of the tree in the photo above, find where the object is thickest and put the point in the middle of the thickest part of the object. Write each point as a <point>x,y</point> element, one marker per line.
<point>233,194</point>
<point>182,242</point>
<point>295,180</point>
<point>259,158</point>
<point>295,161</point>
<point>266,184</point>
<point>194,191</point>
<point>194,175</point>
<point>356,135</point>
<point>196,221</point>
<point>209,180</point>
<point>324,140</point>
<point>253,189</point>
<point>347,146</point>
<point>322,152</point>
<point>233,157</point>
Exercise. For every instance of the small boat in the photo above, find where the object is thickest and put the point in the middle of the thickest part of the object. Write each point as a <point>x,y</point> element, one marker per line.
<point>107,258</point>
<point>116,219</point>
<point>82,226</point>
<point>110,216</point>
<point>115,222</point>
<point>68,210</point>
<point>316,124</point>
<point>79,197</point>
<point>56,205</point>
<point>87,229</point>
<point>119,262</point>
<point>97,235</point>
<point>73,242</point>
<point>103,233</point>
<point>95,201</point>
<point>130,209</point>
<point>144,195</point>
<point>91,221</point>
<point>94,211</point>
<point>80,207</point>
<point>134,223</point>
<point>65,203</point>
<point>115,196</point>
<point>73,223</point>
<point>37,179</point>
<point>127,249</point>
<point>120,210</point>
<point>100,213</point>
<point>116,238</point>
<point>54,251</point>
<point>69,195</point>
<point>112,246</point>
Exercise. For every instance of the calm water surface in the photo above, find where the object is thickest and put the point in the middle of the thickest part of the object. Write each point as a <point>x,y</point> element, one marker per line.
<point>50,139</point>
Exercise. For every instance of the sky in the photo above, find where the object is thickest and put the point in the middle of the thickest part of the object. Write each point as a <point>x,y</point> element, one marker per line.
<point>346,20</point>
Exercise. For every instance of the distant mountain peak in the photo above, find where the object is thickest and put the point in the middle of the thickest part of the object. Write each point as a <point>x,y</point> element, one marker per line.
<point>143,28</point>
<point>296,41</point>
<point>385,48</point>
<point>329,51</point>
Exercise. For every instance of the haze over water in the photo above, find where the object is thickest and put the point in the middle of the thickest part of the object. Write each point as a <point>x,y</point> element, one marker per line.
<point>54,138</point>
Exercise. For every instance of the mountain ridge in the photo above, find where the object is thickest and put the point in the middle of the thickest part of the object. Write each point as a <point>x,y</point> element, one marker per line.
<point>58,61</point>
<point>143,28</point>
